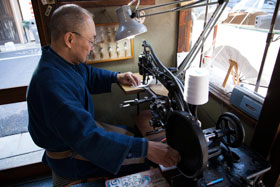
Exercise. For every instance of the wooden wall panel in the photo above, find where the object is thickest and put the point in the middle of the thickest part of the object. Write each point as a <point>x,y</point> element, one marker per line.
<point>184,31</point>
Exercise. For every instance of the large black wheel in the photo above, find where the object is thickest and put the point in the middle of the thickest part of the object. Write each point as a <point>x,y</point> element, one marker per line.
<point>232,128</point>
<point>184,134</point>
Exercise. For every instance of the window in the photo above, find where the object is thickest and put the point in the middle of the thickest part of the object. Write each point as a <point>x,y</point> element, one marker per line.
<point>20,51</point>
<point>234,50</point>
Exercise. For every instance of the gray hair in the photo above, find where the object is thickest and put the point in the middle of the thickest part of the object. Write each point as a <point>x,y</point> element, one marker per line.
<point>67,18</point>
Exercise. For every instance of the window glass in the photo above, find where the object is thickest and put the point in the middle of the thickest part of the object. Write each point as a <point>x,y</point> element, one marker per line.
<point>13,119</point>
<point>20,48</point>
<point>20,51</point>
<point>234,50</point>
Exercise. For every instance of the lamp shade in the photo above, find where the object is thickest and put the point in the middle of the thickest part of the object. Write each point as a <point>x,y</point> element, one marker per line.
<point>128,27</point>
<point>196,90</point>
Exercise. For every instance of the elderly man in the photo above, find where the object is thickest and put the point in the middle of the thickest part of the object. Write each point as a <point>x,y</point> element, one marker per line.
<point>61,111</point>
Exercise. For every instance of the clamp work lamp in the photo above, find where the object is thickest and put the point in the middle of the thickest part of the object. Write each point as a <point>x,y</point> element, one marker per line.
<point>129,27</point>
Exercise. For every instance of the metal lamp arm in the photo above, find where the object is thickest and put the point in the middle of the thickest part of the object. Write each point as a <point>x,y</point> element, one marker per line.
<point>200,3</point>
<point>167,4</point>
<point>204,34</point>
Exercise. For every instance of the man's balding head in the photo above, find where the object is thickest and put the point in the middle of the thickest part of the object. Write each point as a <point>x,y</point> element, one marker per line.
<point>67,18</point>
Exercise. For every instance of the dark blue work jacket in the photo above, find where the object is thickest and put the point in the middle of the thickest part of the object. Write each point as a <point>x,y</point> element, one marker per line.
<point>61,117</point>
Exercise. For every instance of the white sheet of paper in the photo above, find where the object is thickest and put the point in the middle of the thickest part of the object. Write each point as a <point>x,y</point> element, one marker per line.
<point>141,85</point>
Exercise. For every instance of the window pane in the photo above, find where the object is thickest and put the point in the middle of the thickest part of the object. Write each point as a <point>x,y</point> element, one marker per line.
<point>13,119</point>
<point>234,52</point>
<point>19,55</point>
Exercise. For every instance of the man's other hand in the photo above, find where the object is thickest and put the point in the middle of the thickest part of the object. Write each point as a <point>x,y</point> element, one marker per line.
<point>128,79</point>
<point>163,154</point>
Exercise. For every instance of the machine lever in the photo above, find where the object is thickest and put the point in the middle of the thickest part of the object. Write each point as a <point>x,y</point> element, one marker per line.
<point>134,102</point>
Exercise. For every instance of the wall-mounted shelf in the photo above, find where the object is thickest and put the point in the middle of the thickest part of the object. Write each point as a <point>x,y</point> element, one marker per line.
<point>107,49</point>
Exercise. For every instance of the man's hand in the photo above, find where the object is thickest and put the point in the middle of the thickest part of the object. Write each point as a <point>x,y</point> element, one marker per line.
<point>128,79</point>
<point>163,154</point>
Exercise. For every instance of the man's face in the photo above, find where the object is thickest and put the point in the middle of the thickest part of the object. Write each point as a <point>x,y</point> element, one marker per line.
<point>84,41</point>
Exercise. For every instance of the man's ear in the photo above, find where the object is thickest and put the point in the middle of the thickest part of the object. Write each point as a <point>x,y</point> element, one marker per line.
<point>68,39</point>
